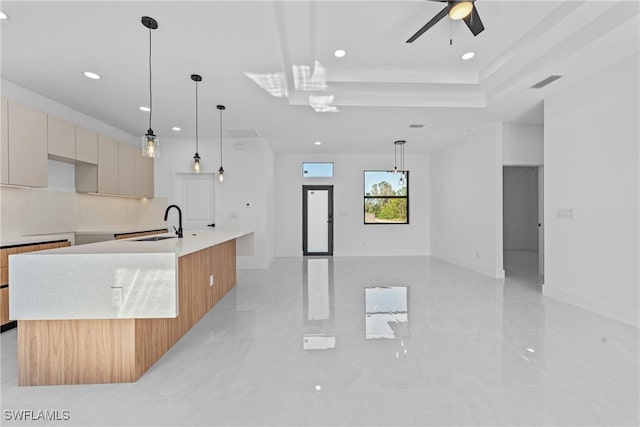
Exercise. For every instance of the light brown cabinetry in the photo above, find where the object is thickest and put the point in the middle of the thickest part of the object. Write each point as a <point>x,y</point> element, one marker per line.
<point>144,176</point>
<point>107,165</point>
<point>121,350</point>
<point>127,169</point>
<point>86,145</point>
<point>4,152</point>
<point>61,139</point>
<point>139,234</point>
<point>27,144</point>
<point>5,322</point>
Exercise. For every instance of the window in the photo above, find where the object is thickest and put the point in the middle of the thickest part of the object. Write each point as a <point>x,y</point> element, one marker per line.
<point>317,170</point>
<point>386,197</point>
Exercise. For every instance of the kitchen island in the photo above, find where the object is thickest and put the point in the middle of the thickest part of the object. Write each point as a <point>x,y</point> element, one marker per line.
<point>106,312</point>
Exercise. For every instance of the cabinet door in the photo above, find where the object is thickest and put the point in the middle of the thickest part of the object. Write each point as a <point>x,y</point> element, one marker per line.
<point>127,169</point>
<point>86,145</point>
<point>61,139</point>
<point>4,166</point>
<point>144,176</point>
<point>27,146</point>
<point>107,165</point>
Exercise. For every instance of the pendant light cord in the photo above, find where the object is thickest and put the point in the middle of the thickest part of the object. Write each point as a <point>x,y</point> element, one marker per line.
<point>196,117</point>
<point>221,138</point>
<point>150,93</point>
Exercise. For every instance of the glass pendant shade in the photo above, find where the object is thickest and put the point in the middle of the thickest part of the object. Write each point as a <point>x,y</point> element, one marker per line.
<point>196,165</point>
<point>221,174</point>
<point>150,145</point>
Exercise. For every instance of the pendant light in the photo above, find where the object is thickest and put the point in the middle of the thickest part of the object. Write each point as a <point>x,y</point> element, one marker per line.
<point>196,158</point>
<point>221,108</point>
<point>399,145</point>
<point>150,142</point>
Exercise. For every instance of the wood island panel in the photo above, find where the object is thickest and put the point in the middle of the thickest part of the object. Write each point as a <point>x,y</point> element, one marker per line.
<point>121,350</point>
<point>76,351</point>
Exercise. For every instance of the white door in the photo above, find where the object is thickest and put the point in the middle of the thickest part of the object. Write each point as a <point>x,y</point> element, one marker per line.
<point>541,221</point>
<point>194,193</point>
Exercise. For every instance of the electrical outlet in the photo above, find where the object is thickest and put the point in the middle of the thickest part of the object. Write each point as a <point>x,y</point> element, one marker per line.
<point>117,296</point>
<point>211,280</point>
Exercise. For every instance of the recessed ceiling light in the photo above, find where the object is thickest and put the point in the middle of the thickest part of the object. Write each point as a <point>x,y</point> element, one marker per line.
<point>467,56</point>
<point>3,15</point>
<point>91,75</point>
<point>176,128</point>
<point>318,143</point>
<point>339,53</point>
<point>143,108</point>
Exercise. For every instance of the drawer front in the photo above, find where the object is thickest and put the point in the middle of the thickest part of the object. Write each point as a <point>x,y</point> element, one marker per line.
<point>4,275</point>
<point>4,306</point>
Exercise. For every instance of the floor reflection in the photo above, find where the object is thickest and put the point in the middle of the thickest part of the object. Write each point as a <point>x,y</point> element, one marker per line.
<point>318,303</point>
<point>386,312</point>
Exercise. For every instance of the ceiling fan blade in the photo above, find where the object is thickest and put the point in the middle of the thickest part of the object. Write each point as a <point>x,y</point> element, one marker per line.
<point>429,24</point>
<point>473,21</point>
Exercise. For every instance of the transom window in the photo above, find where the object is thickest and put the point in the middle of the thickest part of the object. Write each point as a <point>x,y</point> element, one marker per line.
<point>317,170</point>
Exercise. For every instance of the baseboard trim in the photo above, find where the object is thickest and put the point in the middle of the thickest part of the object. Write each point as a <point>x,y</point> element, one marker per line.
<point>607,310</point>
<point>497,273</point>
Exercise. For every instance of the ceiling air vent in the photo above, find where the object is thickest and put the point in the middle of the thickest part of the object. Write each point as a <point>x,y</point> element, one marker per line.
<point>417,126</point>
<point>543,83</point>
<point>241,133</point>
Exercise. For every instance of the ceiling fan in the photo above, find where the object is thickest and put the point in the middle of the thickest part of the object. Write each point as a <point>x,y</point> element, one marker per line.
<point>456,10</point>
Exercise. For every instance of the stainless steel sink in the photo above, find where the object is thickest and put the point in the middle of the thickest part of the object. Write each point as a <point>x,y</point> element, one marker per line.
<point>154,238</point>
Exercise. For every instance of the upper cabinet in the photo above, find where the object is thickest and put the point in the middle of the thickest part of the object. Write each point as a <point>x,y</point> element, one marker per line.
<point>27,145</point>
<point>107,165</point>
<point>102,164</point>
<point>61,139</point>
<point>127,169</point>
<point>144,175</point>
<point>86,145</point>
<point>4,165</point>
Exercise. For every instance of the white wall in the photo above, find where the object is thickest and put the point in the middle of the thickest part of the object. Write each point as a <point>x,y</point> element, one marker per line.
<point>522,145</point>
<point>591,165</point>
<point>520,208</point>
<point>351,236</point>
<point>466,202</point>
<point>248,179</point>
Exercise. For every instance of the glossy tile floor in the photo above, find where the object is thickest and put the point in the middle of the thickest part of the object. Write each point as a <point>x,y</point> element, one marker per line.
<point>370,341</point>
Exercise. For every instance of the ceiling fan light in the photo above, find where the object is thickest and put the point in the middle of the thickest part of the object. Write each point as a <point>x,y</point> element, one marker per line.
<point>460,9</point>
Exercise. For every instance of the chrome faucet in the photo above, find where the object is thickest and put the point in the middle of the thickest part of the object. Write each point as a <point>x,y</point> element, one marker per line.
<point>166,214</point>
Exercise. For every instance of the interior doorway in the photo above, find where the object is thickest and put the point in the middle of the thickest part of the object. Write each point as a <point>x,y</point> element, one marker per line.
<point>317,219</point>
<point>194,193</point>
<point>523,225</point>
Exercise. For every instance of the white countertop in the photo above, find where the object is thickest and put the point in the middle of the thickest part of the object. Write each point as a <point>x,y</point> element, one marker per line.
<point>193,241</point>
<point>77,282</point>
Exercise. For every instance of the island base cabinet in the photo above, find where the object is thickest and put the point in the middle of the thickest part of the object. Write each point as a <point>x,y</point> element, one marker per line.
<point>121,350</point>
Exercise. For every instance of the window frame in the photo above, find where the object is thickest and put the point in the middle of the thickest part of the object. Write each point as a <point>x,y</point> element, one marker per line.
<point>365,197</point>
